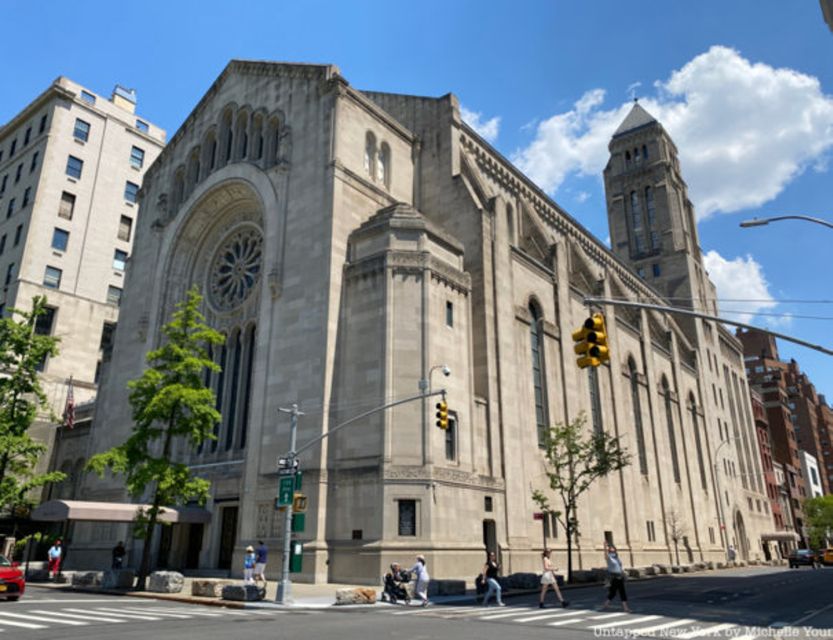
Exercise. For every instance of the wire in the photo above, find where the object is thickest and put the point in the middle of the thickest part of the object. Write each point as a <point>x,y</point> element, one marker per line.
<point>770,300</point>
<point>775,315</point>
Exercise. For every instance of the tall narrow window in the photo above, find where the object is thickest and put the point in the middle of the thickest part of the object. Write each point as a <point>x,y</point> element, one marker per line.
<point>692,407</point>
<point>510,223</point>
<point>82,130</point>
<point>60,239</point>
<point>637,417</point>
<point>34,164</point>
<point>672,438</point>
<point>74,167</point>
<point>125,228</point>
<point>137,157</point>
<point>219,390</point>
<point>449,313</point>
<point>131,192</point>
<point>231,415</point>
<point>383,165</point>
<point>66,206</point>
<point>370,154</point>
<point>595,400</point>
<point>536,338</point>
<point>451,438</point>
<point>247,384</point>
<point>636,223</point>
<point>651,208</point>
<point>407,517</point>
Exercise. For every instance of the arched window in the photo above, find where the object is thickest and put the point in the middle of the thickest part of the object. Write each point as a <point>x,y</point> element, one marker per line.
<point>242,135</point>
<point>246,391</point>
<point>226,137</point>
<point>536,339</point>
<point>636,223</point>
<point>692,407</point>
<point>370,154</point>
<point>383,165</point>
<point>179,187</point>
<point>209,152</point>
<point>234,345</point>
<point>627,158</point>
<point>193,169</point>
<point>219,390</point>
<point>273,137</point>
<point>636,157</point>
<point>645,152</point>
<point>206,380</point>
<point>510,223</point>
<point>257,137</point>
<point>637,417</point>
<point>672,438</point>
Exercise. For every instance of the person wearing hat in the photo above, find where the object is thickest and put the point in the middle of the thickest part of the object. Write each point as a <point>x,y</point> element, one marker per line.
<point>422,579</point>
<point>54,555</point>
<point>249,565</point>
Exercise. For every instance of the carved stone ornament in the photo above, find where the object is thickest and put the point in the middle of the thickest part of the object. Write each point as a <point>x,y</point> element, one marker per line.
<point>236,268</point>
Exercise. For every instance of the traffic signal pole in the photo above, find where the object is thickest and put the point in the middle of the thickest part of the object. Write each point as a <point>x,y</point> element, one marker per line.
<point>704,316</point>
<point>284,595</point>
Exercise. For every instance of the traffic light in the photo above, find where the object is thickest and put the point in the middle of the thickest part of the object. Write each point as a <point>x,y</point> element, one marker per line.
<point>299,503</point>
<point>442,415</point>
<point>591,342</point>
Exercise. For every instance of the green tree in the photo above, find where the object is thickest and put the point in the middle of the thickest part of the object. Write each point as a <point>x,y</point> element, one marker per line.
<point>574,462</point>
<point>169,401</point>
<point>819,514</point>
<point>22,351</point>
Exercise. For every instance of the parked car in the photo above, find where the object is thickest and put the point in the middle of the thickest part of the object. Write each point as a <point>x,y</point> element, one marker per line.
<point>827,556</point>
<point>12,582</point>
<point>798,557</point>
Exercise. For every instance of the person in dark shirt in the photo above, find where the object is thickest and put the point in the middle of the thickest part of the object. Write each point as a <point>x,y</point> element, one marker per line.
<point>119,552</point>
<point>490,572</point>
<point>260,562</point>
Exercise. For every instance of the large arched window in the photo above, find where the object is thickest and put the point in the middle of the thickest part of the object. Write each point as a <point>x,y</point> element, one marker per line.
<point>536,339</point>
<point>234,346</point>
<point>370,154</point>
<point>273,142</point>
<point>672,437</point>
<point>219,390</point>
<point>257,137</point>
<point>242,135</point>
<point>209,152</point>
<point>695,424</point>
<point>637,417</point>
<point>636,223</point>
<point>193,176</point>
<point>246,392</point>
<point>383,165</point>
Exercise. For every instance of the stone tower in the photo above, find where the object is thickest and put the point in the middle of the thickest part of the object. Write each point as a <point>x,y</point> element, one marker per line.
<point>651,219</point>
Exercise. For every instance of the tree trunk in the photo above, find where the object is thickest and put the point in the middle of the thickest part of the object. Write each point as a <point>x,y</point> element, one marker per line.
<point>677,551</point>
<point>144,566</point>
<point>569,523</point>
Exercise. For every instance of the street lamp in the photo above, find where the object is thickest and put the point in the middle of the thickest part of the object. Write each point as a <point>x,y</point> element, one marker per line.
<point>761,222</point>
<point>425,383</point>
<point>720,513</point>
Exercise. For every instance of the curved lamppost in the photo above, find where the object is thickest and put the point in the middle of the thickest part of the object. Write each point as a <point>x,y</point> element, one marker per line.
<point>721,514</point>
<point>761,222</point>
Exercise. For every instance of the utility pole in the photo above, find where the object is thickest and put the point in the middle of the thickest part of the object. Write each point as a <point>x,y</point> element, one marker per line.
<point>284,595</point>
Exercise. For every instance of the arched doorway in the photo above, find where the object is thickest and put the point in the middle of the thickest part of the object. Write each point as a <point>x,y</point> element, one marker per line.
<point>740,532</point>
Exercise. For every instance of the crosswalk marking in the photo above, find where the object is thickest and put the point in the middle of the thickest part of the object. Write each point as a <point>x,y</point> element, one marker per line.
<point>40,619</point>
<point>25,625</point>
<point>109,614</point>
<point>62,614</point>
<point>157,613</point>
<point>118,614</point>
<point>619,623</point>
<point>659,627</point>
<point>605,616</point>
<point>546,616</point>
<point>567,621</point>
<point>191,613</point>
<point>510,614</point>
<point>707,631</point>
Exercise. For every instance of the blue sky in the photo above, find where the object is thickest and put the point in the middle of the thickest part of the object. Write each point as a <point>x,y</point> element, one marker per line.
<point>744,87</point>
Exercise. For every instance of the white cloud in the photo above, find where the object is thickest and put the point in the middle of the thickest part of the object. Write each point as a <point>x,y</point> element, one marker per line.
<point>488,129</point>
<point>744,130</point>
<point>742,279</point>
<point>582,196</point>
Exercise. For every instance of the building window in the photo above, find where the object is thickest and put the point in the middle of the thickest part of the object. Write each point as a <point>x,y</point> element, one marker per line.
<point>451,438</point>
<point>637,417</point>
<point>711,535</point>
<point>247,383</point>
<point>42,126</point>
<point>125,228</point>
<point>74,167</point>
<point>636,223</point>
<point>87,97</point>
<point>27,136</point>
<point>12,148</point>
<point>370,154</point>
<point>536,338</point>
<point>449,314</point>
<point>488,503</point>
<point>18,233</point>
<point>142,126</point>
<point>18,172</point>
<point>595,400</point>
<point>235,347</point>
<point>60,239</point>
<point>34,164</point>
<point>131,191</point>
<point>82,130</point>
<point>120,260</point>
<point>383,165</point>
<point>26,195</point>
<point>652,534</point>
<point>655,270</point>
<point>2,244</point>
<point>672,438</point>
<point>52,277</point>
<point>10,209</point>
<point>407,517</point>
<point>9,274</point>
<point>114,295</point>
<point>137,157</point>
<point>45,322</point>
<point>66,206</point>
<point>3,184</point>
<point>692,407</point>
<point>108,332</point>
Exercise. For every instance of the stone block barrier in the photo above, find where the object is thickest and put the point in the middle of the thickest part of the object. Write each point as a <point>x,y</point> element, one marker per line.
<point>209,588</point>
<point>447,588</point>
<point>165,582</point>
<point>87,579</point>
<point>356,596</point>
<point>243,592</point>
<point>118,579</point>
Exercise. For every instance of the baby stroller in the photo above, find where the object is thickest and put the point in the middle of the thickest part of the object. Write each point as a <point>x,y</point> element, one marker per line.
<point>394,582</point>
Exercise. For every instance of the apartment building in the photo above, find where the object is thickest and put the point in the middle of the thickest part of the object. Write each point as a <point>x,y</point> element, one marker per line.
<point>71,166</point>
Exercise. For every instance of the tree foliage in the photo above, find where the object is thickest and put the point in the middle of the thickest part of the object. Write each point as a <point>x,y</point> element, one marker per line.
<point>819,515</point>
<point>169,401</point>
<point>575,460</point>
<point>22,351</point>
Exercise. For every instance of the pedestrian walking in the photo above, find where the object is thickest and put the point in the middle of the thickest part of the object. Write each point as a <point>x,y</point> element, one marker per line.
<point>732,553</point>
<point>421,572</point>
<point>248,565</point>
<point>54,556</point>
<point>616,577</point>
<point>548,580</point>
<point>119,552</point>
<point>260,562</point>
<point>490,573</point>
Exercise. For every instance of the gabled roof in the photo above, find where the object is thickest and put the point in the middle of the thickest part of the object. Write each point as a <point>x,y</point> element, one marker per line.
<point>637,118</point>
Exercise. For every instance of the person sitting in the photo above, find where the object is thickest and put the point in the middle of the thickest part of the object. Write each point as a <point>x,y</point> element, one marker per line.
<point>395,580</point>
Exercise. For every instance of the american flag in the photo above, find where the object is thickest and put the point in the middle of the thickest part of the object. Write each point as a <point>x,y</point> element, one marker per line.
<point>69,409</point>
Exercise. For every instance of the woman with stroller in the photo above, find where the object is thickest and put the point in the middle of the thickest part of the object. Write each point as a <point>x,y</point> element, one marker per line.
<point>422,578</point>
<point>395,581</point>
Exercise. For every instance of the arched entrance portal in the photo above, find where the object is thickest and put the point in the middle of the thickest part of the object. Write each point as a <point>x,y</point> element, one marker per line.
<point>740,533</point>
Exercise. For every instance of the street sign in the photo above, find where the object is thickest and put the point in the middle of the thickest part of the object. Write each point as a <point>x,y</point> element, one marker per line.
<point>287,472</point>
<point>286,491</point>
<point>539,515</point>
<point>283,463</point>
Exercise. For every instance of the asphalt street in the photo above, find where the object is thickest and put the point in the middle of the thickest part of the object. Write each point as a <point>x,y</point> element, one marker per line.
<point>742,604</point>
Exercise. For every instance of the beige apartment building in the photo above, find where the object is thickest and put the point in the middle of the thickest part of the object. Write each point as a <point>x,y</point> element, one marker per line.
<point>71,165</point>
<point>348,243</point>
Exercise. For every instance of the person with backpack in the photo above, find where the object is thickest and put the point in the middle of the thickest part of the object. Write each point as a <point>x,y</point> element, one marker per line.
<point>249,565</point>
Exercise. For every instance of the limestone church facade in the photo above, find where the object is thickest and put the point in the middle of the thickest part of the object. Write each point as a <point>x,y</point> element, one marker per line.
<point>347,242</point>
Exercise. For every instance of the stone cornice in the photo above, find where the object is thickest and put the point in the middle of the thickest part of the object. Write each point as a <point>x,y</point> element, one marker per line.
<point>412,262</point>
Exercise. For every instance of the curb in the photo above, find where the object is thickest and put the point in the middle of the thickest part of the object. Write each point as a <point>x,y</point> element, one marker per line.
<point>228,604</point>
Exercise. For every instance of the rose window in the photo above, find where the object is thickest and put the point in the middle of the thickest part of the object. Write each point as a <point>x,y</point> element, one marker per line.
<point>236,269</point>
